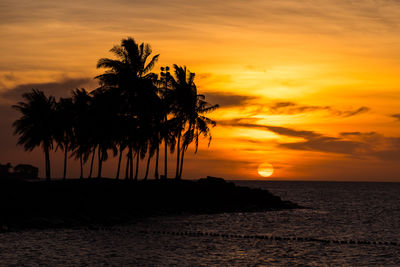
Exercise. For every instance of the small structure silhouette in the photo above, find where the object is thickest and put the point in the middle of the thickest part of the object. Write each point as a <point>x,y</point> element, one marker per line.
<point>26,171</point>
<point>21,171</point>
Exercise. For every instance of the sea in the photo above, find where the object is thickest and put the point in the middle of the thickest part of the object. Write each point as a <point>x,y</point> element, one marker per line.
<point>342,224</point>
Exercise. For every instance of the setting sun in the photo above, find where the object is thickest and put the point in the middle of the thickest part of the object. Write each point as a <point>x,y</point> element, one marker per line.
<point>265,169</point>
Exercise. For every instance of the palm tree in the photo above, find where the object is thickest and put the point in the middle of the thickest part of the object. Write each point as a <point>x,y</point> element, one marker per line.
<point>105,108</point>
<point>120,138</point>
<point>82,144</point>
<point>198,125</point>
<point>64,127</point>
<point>189,110</point>
<point>130,66</point>
<point>165,108</point>
<point>130,75</point>
<point>36,125</point>
<point>182,94</point>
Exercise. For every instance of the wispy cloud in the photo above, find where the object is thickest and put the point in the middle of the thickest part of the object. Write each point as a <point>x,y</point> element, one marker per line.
<point>251,123</point>
<point>228,99</point>
<point>355,144</point>
<point>292,108</point>
<point>396,116</point>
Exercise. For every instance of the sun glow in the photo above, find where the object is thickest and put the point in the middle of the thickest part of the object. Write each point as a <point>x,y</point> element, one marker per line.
<point>265,169</point>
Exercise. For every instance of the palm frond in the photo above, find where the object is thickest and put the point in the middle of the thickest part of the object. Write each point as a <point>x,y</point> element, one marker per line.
<point>151,64</point>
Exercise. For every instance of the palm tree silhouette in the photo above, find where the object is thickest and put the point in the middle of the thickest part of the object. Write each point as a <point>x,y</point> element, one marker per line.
<point>165,132</point>
<point>64,128</point>
<point>36,125</point>
<point>189,110</point>
<point>130,75</point>
<point>105,106</point>
<point>198,125</point>
<point>131,110</point>
<point>82,126</point>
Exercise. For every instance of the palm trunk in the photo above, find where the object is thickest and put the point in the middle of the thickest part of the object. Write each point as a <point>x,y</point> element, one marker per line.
<point>119,162</point>
<point>157,156</point>
<point>181,167</point>
<point>177,155</point>
<point>100,162</point>
<point>81,163</point>
<point>91,163</point>
<point>131,163</point>
<point>137,165</point>
<point>165,159</point>
<point>47,163</point>
<point>65,161</point>
<point>147,167</point>
<point>127,167</point>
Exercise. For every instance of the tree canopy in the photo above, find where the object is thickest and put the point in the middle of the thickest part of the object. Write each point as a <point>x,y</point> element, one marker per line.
<point>133,110</point>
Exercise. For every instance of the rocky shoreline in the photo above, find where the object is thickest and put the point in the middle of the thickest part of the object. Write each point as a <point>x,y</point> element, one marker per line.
<point>88,202</point>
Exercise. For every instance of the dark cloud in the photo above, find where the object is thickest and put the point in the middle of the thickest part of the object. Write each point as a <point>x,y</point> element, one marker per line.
<point>249,140</point>
<point>328,144</point>
<point>355,144</point>
<point>367,134</point>
<point>250,123</point>
<point>8,116</point>
<point>350,133</point>
<point>228,100</point>
<point>349,113</point>
<point>396,116</point>
<point>58,89</point>
<point>388,155</point>
<point>291,108</point>
<point>10,77</point>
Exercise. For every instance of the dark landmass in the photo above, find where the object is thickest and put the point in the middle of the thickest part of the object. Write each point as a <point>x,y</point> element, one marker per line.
<point>74,202</point>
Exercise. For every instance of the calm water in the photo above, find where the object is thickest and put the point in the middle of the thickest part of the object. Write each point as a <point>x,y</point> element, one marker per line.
<point>340,211</point>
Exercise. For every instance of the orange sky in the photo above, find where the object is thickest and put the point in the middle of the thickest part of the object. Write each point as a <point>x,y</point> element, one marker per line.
<point>312,87</point>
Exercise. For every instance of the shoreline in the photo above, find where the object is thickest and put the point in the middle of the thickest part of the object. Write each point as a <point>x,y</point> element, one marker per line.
<point>87,202</point>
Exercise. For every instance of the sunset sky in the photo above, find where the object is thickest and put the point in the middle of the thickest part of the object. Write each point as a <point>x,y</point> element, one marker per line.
<point>311,87</point>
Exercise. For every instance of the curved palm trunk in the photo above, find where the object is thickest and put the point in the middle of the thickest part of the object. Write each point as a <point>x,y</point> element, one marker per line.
<point>147,167</point>
<point>100,163</point>
<point>119,163</point>
<point>91,163</point>
<point>181,167</point>
<point>157,156</point>
<point>65,161</point>
<point>137,165</point>
<point>47,163</point>
<point>178,156</point>
<point>81,163</point>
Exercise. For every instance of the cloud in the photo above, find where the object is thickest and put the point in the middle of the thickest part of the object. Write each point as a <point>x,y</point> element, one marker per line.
<point>355,144</point>
<point>328,144</point>
<point>58,89</point>
<point>291,108</point>
<point>349,113</point>
<point>250,123</point>
<point>396,116</point>
<point>228,99</point>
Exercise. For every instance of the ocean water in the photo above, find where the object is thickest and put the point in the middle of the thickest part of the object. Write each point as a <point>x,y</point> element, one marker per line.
<point>336,211</point>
